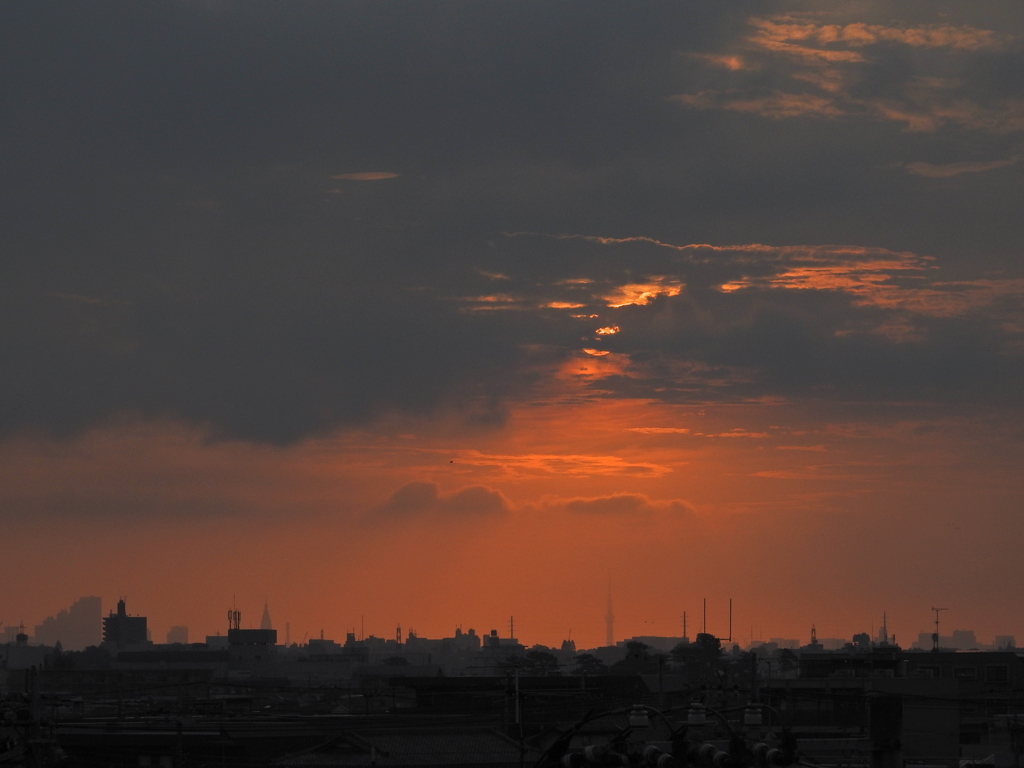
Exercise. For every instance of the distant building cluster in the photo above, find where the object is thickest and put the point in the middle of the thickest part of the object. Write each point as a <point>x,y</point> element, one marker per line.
<point>75,628</point>
<point>957,694</point>
<point>964,640</point>
<point>126,639</point>
<point>177,635</point>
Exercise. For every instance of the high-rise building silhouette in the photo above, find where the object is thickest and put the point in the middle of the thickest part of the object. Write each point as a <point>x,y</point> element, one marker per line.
<point>265,621</point>
<point>75,628</point>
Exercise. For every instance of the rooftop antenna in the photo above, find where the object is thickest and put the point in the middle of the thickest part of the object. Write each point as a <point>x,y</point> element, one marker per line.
<point>885,629</point>
<point>935,637</point>
<point>705,630</point>
<point>234,615</point>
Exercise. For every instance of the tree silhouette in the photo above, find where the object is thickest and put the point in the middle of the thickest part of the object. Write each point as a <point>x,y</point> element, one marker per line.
<point>533,663</point>
<point>589,664</point>
<point>639,660</point>
<point>700,661</point>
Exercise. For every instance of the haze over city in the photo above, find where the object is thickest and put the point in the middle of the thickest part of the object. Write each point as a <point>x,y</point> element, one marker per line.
<point>437,314</point>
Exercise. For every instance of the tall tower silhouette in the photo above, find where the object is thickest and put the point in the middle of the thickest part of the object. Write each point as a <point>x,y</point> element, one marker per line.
<point>265,621</point>
<point>609,620</point>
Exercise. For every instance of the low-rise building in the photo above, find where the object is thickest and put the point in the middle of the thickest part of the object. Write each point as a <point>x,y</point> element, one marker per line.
<point>122,631</point>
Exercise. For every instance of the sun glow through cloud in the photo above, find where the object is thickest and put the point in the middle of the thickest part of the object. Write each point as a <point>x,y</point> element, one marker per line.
<point>641,294</point>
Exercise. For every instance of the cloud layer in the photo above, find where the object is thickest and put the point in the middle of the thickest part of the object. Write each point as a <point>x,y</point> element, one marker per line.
<point>419,499</point>
<point>633,504</point>
<point>273,242</point>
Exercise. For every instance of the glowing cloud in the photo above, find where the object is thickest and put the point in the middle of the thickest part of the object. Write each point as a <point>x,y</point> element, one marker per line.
<point>877,277</point>
<point>660,430</point>
<point>627,504</point>
<point>870,275</point>
<point>493,275</point>
<point>785,35</point>
<point>579,465</point>
<point>608,330</point>
<point>956,169</point>
<point>641,294</point>
<point>732,63</point>
<point>828,57</point>
<point>739,432</point>
<point>495,301</point>
<point>777,105</point>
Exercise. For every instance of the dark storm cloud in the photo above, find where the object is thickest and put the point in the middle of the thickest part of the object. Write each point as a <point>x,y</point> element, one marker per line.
<point>273,220</point>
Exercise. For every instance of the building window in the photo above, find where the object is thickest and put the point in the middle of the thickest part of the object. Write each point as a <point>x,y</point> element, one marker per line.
<point>928,671</point>
<point>997,673</point>
<point>965,673</point>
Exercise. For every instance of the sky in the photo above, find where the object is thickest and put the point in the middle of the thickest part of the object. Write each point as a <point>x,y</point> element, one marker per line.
<point>436,314</point>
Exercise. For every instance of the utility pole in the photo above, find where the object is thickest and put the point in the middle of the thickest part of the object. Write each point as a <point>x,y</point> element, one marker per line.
<point>935,637</point>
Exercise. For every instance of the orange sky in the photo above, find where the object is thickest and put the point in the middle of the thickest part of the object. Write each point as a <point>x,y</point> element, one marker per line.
<point>798,519</point>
